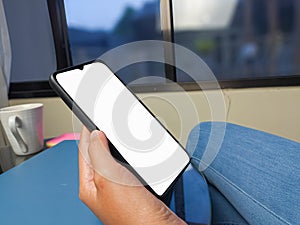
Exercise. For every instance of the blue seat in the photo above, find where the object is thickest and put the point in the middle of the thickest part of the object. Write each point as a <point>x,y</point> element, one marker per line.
<point>196,200</point>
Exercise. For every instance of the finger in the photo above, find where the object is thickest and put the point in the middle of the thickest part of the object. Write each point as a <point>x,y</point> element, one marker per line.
<point>105,165</point>
<point>86,172</point>
<point>104,140</point>
<point>84,144</point>
<point>85,135</point>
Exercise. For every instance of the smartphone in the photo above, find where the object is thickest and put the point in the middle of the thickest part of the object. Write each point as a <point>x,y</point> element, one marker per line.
<point>101,101</point>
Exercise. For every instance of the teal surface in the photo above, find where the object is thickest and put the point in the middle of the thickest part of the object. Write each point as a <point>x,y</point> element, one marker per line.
<point>44,190</point>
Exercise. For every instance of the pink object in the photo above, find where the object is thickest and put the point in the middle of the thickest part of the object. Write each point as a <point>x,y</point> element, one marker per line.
<point>63,137</point>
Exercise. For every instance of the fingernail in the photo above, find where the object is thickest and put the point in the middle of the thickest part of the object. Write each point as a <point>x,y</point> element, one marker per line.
<point>94,134</point>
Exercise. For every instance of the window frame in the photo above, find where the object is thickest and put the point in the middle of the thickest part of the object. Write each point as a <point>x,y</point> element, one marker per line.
<point>63,55</point>
<point>63,58</point>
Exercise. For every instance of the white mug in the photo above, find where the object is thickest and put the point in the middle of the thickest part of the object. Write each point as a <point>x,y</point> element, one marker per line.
<point>23,125</point>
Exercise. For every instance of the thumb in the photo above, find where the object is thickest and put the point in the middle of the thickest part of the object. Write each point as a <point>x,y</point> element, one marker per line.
<point>105,165</point>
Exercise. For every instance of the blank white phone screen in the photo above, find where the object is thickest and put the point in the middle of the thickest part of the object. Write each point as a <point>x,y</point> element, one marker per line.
<point>131,128</point>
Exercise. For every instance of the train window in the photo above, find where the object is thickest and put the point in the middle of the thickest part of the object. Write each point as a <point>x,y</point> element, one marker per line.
<point>246,43</point>
<point>242,39</point>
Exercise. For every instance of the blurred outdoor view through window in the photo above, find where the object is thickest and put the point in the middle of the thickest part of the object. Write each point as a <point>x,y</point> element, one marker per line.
<point>97,26</point>
<point>241,38</point>
<point>238,39</point>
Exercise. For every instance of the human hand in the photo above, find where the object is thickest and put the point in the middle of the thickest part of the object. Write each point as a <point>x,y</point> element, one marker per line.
<point>113,202</point>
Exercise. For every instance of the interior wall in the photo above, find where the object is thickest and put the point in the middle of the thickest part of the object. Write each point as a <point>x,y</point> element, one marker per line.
<point>274,110</point>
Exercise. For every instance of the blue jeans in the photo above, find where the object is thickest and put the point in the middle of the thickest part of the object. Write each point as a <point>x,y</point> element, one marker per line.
<point>254,178</point>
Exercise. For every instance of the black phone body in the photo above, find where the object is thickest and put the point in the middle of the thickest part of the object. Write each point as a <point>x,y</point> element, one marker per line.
<point>101,101</point>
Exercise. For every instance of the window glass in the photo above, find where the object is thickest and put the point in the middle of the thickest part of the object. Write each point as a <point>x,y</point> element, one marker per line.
<point>241,39</point>
<point>97,26</point>
<point>32,47</point>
